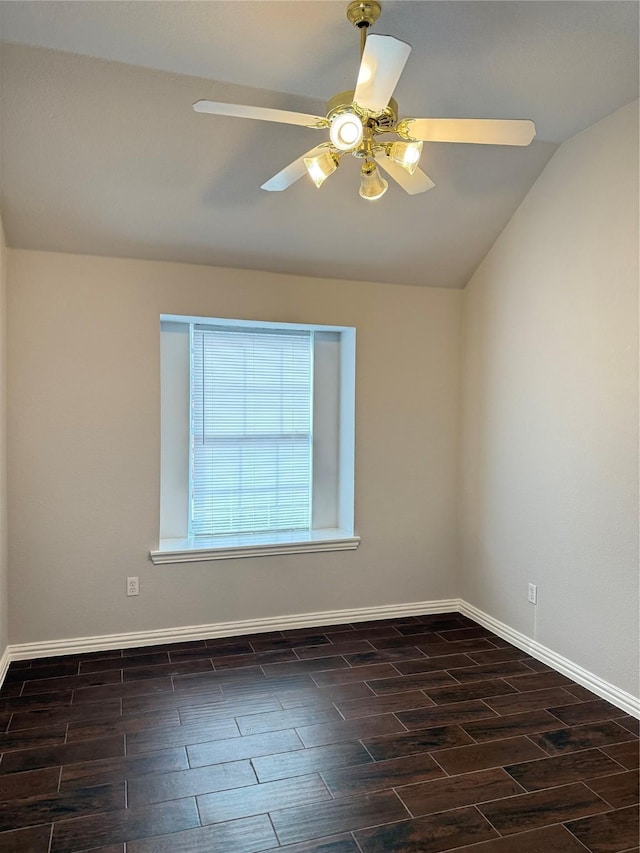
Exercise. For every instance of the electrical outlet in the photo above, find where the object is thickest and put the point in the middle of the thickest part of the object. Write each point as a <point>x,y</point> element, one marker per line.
<point>532,595</point>
<point>133,587</point>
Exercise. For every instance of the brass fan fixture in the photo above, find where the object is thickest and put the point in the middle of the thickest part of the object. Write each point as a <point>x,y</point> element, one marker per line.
<point>358,118</point>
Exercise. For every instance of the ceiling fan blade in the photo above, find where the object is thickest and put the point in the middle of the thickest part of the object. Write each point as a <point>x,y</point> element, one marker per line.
<point>481,131</point>
<point>383,59</point>
<point>291,173</point>
<point>261,113</point>
<point>419,182</point>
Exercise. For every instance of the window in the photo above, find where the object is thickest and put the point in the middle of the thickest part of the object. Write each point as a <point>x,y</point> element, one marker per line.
<point>257,439</point>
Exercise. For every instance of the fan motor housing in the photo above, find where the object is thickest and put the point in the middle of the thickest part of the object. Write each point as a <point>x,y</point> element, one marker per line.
<point>379,121</point>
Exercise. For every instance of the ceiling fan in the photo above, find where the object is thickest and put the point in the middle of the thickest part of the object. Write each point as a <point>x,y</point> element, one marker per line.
<point>358,118</point>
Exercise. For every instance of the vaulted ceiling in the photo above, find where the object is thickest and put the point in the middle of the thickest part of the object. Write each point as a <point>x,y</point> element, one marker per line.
<point>101,152</point>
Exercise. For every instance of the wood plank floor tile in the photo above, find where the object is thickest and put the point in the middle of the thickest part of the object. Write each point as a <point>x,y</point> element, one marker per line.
<point>336,844</point>
<point>489,671</point>
<point>466,759</point>
<point>356,708</point>
<point>550,839</point>
<point>465,692</point>
<point>542,808</point>
<point>464,633</point>
<point>71,682</point>
<point>324,695</point>
<point>441,647</point>
<point>37,810</point>
<point>432,834</point>
<point>184,667</point>
<point>537,681</point>
<point>498,655</point>
<point>251,746</point>
<point>161,787</point>
<point>307,822</point>
<point>12,702</point>
<point>348,647</point>
<point>26,738</point>
<point>312,665</point>
<point>135,706</point>
<point>586,712</point>
<point>257,799</point>
<point>222,662</point>
<point>128,825</point>
<point>52,756</point>
<point>630,723</point>
<point>511,725</point>
<point>421,681</point>
<point>123,663</point>
<point>253,724</point>
<point>274,686</point>
<point>40,717</point>
<point>363,727</point>
<point>314,759</point>
<point>379,775</point>
<point>626,754</point>
<point>458,712</point>
<point>513,703</point>
<point>247,835</point>
<point>389,735</point>
<point>561,769</point>
<point>31,783</point>
<point>205,651</point>
<point>573,738</point>
<point>456,791</point>
<point>360,673</point>
<point>222,708</point>
<point>122,725</point>
<point>32,840</point>
<point>197,731</point>
<point>52,670</point>
<point>102,771</point>
<point>620,789</point>
<point>425,664</point>
<point>149,686</point>
<point>608,833</point>
<point>422,740</point>
<point>389,655</point>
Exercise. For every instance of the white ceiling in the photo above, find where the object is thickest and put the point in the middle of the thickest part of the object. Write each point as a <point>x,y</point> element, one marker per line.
<point>102,153</point>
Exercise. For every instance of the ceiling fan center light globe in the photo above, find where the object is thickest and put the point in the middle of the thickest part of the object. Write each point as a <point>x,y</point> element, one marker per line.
<point>346,131</point>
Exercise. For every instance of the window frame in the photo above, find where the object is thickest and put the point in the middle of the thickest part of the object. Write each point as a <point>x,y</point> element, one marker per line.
<point>338,385</point>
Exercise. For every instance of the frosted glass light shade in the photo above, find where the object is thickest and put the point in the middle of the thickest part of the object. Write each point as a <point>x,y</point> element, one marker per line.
<point>406,154</point>
<point>320,167</point>
<point>346,131</point>
<point>372,186</point>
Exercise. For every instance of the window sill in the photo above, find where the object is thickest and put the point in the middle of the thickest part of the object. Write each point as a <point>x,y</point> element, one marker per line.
<point>255,545</point>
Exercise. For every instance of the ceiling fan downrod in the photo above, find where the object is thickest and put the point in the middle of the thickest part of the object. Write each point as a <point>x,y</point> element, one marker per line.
<point>363,14</point>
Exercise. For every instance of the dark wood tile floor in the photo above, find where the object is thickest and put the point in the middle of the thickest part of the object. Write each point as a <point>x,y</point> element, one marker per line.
<point>416,735</point>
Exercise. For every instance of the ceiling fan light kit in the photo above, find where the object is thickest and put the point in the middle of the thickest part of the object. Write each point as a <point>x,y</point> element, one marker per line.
<point>356,118</point>
<point>321,166</point>
<point>372,185</point>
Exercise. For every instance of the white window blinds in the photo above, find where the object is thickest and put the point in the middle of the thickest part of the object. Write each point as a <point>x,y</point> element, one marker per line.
<point>251,416</point>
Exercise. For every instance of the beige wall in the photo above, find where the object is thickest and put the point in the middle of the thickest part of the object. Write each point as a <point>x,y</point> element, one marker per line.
<point>4,571</point>
<point>550,409</point>
<point>84,455</point>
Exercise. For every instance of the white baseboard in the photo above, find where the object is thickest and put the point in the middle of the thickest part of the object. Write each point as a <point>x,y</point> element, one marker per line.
<point>618,697</point>
<point>79,645</point>
<point>5,660</point>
